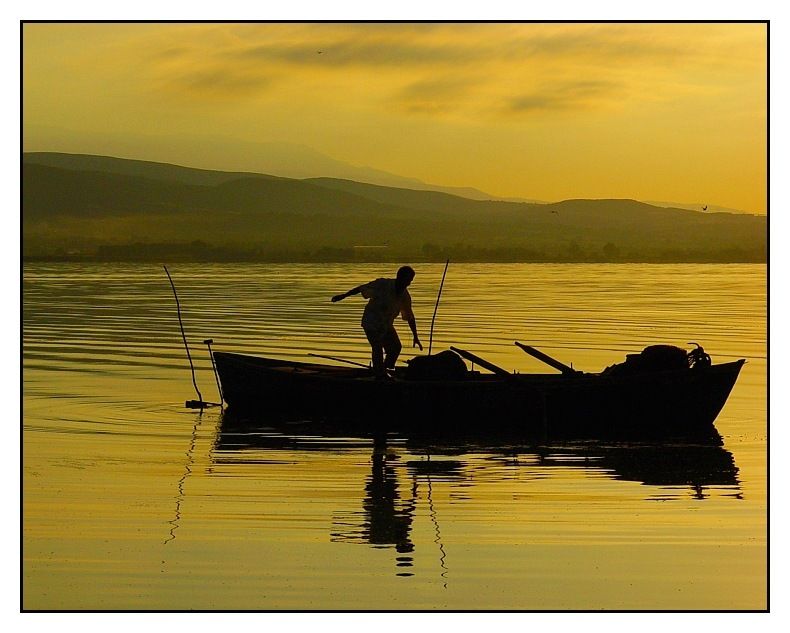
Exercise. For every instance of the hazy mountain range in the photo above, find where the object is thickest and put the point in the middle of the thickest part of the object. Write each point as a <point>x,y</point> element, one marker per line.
<point>104,207</point>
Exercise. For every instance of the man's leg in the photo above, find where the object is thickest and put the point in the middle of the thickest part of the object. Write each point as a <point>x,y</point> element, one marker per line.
<point>392,346</point>
<point>377,351</point>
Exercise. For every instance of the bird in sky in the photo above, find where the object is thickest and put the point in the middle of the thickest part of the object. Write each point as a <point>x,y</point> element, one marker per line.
<point>705,208</point>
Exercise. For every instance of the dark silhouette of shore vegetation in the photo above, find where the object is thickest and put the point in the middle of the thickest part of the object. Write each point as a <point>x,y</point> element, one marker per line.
<point>200,251</point>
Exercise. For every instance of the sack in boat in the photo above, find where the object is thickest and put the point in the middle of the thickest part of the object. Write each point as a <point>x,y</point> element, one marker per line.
<point>652,358</point>
<point>446,365</point>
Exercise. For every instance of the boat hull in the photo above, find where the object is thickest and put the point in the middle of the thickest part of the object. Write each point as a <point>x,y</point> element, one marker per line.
<point>652,405</point>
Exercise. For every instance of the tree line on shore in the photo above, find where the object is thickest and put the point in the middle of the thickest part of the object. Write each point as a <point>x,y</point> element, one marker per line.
<point>201,251</point>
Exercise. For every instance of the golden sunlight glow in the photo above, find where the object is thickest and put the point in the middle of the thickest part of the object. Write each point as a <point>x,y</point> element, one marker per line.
<point>673,112</point>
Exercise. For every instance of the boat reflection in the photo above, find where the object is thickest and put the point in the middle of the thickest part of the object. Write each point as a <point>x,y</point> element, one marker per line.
<point>404,469</point>
<point>697,466</point>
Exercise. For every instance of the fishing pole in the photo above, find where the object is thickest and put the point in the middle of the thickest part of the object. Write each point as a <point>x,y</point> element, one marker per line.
<point>436,307</point>
<point>190,404</point>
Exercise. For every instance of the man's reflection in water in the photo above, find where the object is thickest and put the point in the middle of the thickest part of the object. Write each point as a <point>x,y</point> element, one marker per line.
<point>387,519</point>
<point>389,522</point>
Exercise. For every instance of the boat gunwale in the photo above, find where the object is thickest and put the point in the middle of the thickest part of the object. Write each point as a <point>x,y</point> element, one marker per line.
<point>337,372</point>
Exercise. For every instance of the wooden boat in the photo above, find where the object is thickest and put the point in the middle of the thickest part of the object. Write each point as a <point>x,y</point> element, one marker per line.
<point>664,404</point>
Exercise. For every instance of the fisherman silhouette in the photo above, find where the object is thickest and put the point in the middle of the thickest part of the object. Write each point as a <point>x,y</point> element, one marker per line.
<point>387,298</point>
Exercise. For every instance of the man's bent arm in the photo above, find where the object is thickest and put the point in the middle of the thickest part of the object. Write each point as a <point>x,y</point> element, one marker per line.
<point>413,326</point>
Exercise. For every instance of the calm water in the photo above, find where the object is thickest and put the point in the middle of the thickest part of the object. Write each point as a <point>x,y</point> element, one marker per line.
<point>132,501</point>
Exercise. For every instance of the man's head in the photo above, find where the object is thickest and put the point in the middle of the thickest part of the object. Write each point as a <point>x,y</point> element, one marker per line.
<point>404,277</point>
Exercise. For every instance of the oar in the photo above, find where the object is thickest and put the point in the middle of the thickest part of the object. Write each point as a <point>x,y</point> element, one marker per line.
<point>551,362</point>
<point>482,362</point>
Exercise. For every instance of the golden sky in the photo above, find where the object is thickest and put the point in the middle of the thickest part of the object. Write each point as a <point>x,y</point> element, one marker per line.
<point>670,112</point>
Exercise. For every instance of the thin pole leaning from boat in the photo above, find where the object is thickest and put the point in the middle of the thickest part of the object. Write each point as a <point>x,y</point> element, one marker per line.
<point>339,360</point>
<point>208,343</point>
<point>186,346</point>
<point>436,307</point>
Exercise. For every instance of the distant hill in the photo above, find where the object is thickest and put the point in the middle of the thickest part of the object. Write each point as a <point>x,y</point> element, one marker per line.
<point>128,167</point>
<point>281,159</point>
<point>109,207</point>
<point>696,206</point>
<point>407,198</point>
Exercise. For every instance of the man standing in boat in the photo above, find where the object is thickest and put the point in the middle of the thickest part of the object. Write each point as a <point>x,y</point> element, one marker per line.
<point>387,298</point>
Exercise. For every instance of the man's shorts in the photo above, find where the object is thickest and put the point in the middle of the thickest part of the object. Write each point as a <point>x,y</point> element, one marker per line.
<point>386,338</point>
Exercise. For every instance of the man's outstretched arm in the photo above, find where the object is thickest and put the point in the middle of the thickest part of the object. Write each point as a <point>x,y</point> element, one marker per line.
<point>353,291</point>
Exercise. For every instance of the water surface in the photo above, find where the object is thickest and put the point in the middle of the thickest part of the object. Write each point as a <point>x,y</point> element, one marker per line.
<point>132,501</point>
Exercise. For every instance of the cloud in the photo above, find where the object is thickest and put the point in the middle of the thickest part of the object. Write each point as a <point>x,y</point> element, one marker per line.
<point>594,44</point>
<point>575,95</point>
<point>441,68</point>
<point>436,95</point>
<point>376,45</point>
<point>172,53</point>
<point>222,82</point>
<point>213,84</point>
<point>376,52</point>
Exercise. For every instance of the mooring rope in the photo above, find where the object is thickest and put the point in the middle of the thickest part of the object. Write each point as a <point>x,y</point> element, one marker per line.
<point>181,325</point>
